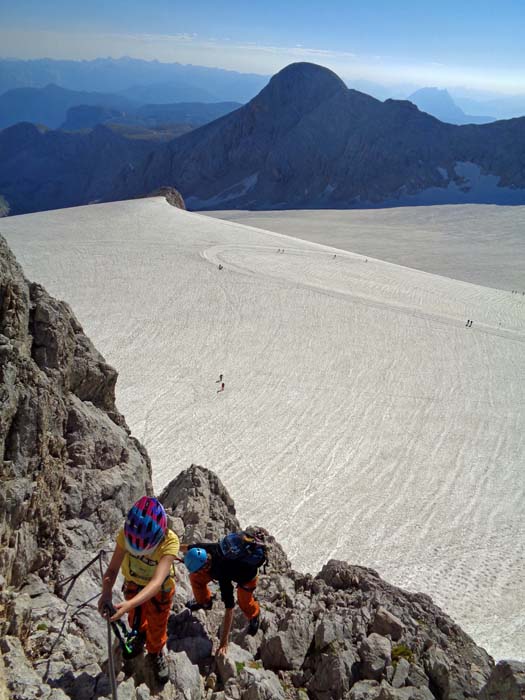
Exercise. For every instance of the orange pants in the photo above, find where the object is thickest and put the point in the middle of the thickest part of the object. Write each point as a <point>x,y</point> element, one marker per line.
<point>151,617</point>
<point>247,603</point>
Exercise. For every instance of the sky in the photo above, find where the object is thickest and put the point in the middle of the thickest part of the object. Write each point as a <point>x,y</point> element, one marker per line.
<point>475,43</point>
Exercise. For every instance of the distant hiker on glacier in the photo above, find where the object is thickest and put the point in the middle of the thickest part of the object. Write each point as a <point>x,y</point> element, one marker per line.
<point>236,558</point>
<point>145,552</point>
<point>221,388</point>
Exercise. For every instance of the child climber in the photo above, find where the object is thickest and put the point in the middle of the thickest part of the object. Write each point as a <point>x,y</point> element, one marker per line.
<point>234,559</point>
<point>145,552</point>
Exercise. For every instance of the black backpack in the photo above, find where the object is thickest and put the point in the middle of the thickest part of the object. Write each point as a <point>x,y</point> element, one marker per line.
<point>246,546</point>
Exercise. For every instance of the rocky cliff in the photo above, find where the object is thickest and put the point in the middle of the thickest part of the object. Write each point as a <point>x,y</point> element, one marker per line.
<point>70,470</point>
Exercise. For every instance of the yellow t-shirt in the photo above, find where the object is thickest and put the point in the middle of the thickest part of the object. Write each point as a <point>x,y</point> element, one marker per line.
<point>140,570</point>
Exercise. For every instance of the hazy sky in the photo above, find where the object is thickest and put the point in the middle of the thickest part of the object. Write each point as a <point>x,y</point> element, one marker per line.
<point>477,43</point>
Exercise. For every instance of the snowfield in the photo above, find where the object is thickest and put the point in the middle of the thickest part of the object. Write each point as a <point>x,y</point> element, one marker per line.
<point>361,419</point>
<point>483,244</point>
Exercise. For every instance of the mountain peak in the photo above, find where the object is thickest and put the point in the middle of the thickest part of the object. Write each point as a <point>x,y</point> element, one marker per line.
<point>303,84</point>
<point>439,103</point>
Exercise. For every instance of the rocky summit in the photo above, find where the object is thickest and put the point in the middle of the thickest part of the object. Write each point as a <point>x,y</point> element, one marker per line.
<point>71,469</point>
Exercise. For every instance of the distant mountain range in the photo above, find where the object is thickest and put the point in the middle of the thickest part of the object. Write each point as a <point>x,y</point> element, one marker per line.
<point>142,81</point>
<point>308,141</point>
<point>48,105</point>
<point>440,104</point>
<point>55,107</point>
<point>305,140</point>
<point>153,116</point>
<point>502,107</point>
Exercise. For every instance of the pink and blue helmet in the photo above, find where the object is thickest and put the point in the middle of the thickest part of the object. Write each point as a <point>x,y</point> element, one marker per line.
<point>145,526</point>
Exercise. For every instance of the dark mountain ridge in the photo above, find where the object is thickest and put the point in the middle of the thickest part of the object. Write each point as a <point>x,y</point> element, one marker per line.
<point>44,169</point>
<point>308,141</point>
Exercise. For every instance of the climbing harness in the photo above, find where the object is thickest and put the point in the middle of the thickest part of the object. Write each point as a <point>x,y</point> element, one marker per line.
<point>129,640</point>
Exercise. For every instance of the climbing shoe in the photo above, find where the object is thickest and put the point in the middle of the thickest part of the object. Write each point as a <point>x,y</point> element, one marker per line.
<point>194,606</point>
<point>253,626</point>
<point>160,666</point>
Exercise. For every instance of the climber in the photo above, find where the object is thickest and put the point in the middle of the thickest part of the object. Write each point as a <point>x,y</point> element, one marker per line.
<point>227,564</point>
<point>146,550</point>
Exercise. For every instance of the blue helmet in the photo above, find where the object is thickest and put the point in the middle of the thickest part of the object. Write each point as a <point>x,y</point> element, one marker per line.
<point>195,559</point>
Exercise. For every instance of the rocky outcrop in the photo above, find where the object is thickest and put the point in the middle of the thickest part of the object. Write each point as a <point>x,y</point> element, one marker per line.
<point>70,470</point>
<point>506,682</point>
<point>171,195</point>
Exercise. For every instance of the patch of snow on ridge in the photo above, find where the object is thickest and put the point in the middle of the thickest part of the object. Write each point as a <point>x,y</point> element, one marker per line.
<point>473,187</point>
<point>361,419</point>
<point>238,190</point>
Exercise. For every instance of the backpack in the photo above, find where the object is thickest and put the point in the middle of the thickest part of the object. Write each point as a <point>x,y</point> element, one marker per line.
<point>246,546</point>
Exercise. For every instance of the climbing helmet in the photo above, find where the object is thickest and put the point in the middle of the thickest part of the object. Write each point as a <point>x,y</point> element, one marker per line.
<point>195,559</point>
<point>146,525</point>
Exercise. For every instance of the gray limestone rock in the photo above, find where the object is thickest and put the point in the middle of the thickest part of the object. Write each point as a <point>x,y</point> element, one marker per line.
<point>388,693</point>
<point>334,675</point>
<point>506,682</point>
<point>401,673</point>
<point>203,504</point>
<point>171,195</point>
<point>185,677</point>
<point>259,684</point>
<point>365,690</point>
<point>287,649</point>
<point>233,663</point>
<point>331,630</point>
<point>375,652</point>
<point>417,677</point>
<point>385,623</point>
<point>142,692</point>
<point>22,681</point>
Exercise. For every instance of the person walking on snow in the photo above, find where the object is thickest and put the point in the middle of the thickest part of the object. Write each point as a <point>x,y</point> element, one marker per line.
<point>145,552</point>
<point>235,559</point>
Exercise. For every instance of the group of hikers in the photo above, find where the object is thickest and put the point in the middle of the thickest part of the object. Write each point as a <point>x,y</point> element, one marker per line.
<point>146,551</point>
